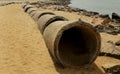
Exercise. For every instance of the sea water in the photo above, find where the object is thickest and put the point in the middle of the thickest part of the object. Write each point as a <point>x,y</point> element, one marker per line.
<point>101,6</point>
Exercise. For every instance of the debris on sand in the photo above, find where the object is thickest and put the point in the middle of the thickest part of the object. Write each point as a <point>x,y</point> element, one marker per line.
<point>111,52</point>
<point>111,68</point>
<point>108,28</point>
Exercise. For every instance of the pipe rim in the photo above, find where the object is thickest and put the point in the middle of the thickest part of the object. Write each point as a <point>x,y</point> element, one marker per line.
<point>27,7</point>
<point>71,25</point>
<point>39,14</point>
<point>54,18</point>
<point>30,10</point>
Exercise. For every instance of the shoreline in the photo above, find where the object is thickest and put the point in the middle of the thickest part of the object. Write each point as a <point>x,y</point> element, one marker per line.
<point>58,5</point>
<point>64,7</point>
<point>100,21</point>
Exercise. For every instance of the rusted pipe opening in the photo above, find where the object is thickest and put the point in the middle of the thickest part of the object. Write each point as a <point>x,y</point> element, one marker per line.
<point>77,46</point>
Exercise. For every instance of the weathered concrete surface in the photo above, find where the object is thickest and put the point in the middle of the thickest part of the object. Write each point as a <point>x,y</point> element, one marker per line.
<point>38,14</point>
<point>65,38</point>
<point>27,7</point>
<point>45,20</point>
<point>23,51</point>
<point>31,10</point>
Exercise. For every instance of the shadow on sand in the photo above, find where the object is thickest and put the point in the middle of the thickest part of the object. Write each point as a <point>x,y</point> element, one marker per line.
<point>93,69</point>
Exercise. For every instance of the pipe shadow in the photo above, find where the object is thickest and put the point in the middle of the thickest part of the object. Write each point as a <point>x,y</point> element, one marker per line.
<point>93,69</point>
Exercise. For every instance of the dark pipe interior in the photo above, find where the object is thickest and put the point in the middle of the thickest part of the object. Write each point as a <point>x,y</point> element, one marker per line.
<point>77,45</point>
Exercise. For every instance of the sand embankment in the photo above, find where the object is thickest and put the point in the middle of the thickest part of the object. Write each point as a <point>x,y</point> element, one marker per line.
<point>23,51</point>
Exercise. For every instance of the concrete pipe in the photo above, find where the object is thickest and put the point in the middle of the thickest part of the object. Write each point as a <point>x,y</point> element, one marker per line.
<point>23,5</point>
<point>31,10</point>
<point>33,13</point>
<point>40,13</point>
<point>72,43</point>
<point>27,7</point>
<point>45,20</point>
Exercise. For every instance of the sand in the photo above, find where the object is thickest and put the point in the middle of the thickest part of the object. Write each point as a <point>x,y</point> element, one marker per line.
<point>23,50</point>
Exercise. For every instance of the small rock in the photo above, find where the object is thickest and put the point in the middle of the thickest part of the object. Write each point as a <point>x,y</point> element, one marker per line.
<point>82,10</point>
<point>105,21</point>
<point>117,43</point>
<point>60,8</point>
<point>115,16</point>
<point>74,9</point>
<point>104,16</point>
<point>93,13</point>
<point>100,28</point>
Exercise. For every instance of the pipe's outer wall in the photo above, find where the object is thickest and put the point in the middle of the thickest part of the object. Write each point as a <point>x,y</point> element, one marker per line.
<point>53,33</point>
<point>31,10</point>
<point>45,20</point>
<point>54,29</point>
<point>27,7</point>
<point>38,14</point>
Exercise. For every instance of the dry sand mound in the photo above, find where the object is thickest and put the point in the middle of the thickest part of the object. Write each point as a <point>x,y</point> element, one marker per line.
<point>23,51</point>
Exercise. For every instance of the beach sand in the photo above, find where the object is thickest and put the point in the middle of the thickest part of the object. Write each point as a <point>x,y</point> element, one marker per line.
<point>23,50</point>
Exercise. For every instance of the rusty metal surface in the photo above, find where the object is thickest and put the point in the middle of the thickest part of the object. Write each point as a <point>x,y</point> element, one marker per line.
<point>45,20</point>
<point>40,13</point>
